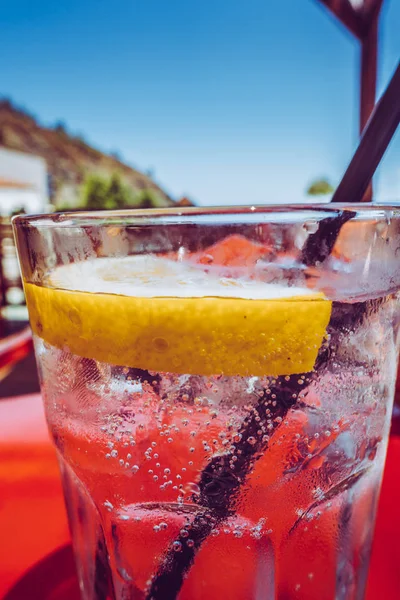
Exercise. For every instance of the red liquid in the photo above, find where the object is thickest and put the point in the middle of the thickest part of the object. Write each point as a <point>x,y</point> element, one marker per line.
<point>284,539</point>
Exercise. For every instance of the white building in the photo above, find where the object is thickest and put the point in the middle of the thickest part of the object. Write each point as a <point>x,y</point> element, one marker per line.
<point>23,182</point>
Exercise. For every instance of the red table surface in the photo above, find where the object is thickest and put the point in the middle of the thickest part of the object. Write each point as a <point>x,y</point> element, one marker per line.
<point>33,521</point>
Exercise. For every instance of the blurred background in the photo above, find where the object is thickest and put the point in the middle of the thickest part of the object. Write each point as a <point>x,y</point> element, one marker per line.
<point>143,103</point>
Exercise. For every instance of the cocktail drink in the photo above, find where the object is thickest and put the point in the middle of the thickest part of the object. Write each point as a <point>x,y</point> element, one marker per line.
<point>220,406</point>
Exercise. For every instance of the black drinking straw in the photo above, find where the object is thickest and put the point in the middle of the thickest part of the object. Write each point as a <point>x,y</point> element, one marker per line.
<point>376,138</point>
<point>221,480</point>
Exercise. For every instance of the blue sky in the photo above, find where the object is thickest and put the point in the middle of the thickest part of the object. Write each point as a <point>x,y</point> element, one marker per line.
<point>228,102</point>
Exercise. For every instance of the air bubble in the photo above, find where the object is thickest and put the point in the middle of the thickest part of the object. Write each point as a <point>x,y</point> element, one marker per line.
<point>177,546</point>
<point>190,543</point>
<point>194,488</point>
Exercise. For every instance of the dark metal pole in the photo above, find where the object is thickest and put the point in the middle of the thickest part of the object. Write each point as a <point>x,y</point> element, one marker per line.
<point>368,77</point>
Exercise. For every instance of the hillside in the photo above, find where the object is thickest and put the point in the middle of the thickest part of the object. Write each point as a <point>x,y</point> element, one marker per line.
<point>70,159</point>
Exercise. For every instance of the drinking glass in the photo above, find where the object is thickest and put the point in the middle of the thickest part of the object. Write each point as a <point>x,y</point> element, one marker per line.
<point>218,384</point>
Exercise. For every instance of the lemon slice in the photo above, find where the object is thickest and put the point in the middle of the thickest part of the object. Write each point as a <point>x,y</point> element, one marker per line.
<point>160,315</point>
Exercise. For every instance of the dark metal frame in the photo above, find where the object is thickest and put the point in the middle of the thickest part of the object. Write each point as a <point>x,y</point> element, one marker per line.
<point>363,23</point>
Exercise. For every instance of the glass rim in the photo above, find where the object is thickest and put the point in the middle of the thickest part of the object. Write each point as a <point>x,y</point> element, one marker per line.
<point>279,213</point>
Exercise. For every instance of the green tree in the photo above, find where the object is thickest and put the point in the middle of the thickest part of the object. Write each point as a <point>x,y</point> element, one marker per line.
<point>100,193</point>
<point>320,187</point>
<point>95,193</point>
<point>60,127</point>
<point>118,194</point>
<point>148,198</point>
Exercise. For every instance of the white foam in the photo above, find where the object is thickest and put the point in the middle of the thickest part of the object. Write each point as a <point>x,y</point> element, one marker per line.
<point>149,276</point>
